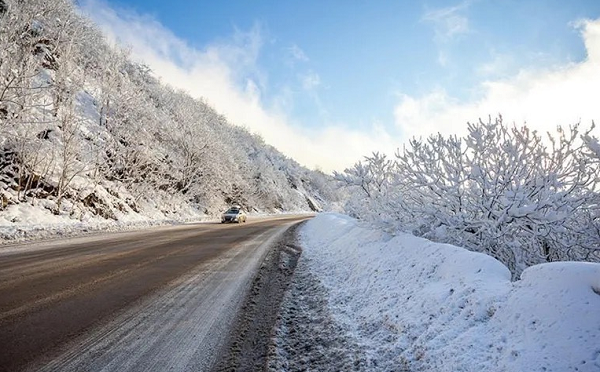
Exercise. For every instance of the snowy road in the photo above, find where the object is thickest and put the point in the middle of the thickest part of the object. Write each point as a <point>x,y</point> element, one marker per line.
<point>154,300</point>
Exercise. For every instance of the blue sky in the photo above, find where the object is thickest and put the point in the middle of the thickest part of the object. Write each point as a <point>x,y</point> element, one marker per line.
<point>365,75</point>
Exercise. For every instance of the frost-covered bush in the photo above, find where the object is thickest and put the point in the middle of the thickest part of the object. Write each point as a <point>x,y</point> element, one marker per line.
<point>504,190</point>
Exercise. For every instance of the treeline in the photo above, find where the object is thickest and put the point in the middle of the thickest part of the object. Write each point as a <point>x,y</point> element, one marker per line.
<point>83,129</point>
<point>522,197</point>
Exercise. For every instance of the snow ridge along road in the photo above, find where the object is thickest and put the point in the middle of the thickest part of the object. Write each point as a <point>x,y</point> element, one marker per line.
<point>165,302</point>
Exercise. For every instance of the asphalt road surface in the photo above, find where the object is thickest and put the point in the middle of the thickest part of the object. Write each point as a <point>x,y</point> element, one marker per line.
<point>155,300</point>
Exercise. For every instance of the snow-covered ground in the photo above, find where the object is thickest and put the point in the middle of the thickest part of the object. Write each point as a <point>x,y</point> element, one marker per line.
<point>414,305</point>
<point>23,222</point>
<point>403,303</point>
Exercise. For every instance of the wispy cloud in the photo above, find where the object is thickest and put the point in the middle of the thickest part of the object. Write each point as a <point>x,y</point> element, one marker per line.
<point>543,98</point>
<point>448,22</point>
<point>442,58</point>
<point>297,53</point>
<point>227,76</point>
<point>310,81</point>
<point>499,65</point>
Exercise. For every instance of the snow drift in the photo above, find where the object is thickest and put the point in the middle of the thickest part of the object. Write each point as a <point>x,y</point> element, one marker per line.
<point>424,306</point>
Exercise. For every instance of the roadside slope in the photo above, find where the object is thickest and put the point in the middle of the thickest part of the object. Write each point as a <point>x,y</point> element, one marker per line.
<point>416,305</point>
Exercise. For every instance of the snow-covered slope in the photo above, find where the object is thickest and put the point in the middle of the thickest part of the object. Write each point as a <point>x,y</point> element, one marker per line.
<point>89,136</point>
<point>417,305</point>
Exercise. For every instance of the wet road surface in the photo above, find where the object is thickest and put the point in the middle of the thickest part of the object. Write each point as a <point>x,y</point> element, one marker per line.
<point>145,300</point>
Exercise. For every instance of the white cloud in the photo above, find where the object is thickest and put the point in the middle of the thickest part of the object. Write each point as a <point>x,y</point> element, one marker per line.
<point>311,81</point>
<point>448,22</point>
<point>501,64</point>
<point>543,98</point>
<point>297,53</point>
<point>442,58</point>
<point>227,77</point>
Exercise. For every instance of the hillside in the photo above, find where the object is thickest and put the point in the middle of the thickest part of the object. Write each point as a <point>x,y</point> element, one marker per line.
<point>86,134</point>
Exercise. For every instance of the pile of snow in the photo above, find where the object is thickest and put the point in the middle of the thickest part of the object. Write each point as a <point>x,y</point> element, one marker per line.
<point>423,306</point>
<point>24,222</point>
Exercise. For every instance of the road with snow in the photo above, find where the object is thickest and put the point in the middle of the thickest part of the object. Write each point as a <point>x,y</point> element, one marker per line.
<point>160,299</point>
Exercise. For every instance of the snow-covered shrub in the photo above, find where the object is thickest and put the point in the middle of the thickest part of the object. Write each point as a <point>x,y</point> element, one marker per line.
<point>503,190</point>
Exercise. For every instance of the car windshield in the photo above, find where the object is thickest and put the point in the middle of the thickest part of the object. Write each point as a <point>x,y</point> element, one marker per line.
<point>233,211</point>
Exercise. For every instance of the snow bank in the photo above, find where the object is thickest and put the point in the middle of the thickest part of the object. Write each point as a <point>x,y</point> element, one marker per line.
<point>425,306</point>
<point>24,222</point>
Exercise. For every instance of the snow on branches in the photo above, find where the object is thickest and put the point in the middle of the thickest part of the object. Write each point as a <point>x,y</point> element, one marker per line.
<point>513,193</point>
<point>86,132</point>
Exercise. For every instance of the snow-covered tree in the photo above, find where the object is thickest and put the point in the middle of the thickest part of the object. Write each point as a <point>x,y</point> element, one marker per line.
<point>90,131</point>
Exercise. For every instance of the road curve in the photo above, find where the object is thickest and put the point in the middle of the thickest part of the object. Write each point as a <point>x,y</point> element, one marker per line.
<point>153,300</point>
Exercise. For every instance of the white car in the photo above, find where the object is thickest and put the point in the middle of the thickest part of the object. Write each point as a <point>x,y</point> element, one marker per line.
<point>234,214</point>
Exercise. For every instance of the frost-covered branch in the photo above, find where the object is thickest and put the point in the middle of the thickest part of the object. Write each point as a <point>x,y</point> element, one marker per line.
<point>501,189</point>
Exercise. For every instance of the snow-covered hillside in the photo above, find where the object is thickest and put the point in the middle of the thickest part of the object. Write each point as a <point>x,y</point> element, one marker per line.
<point>415,305</point>
<point>87,135</point>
